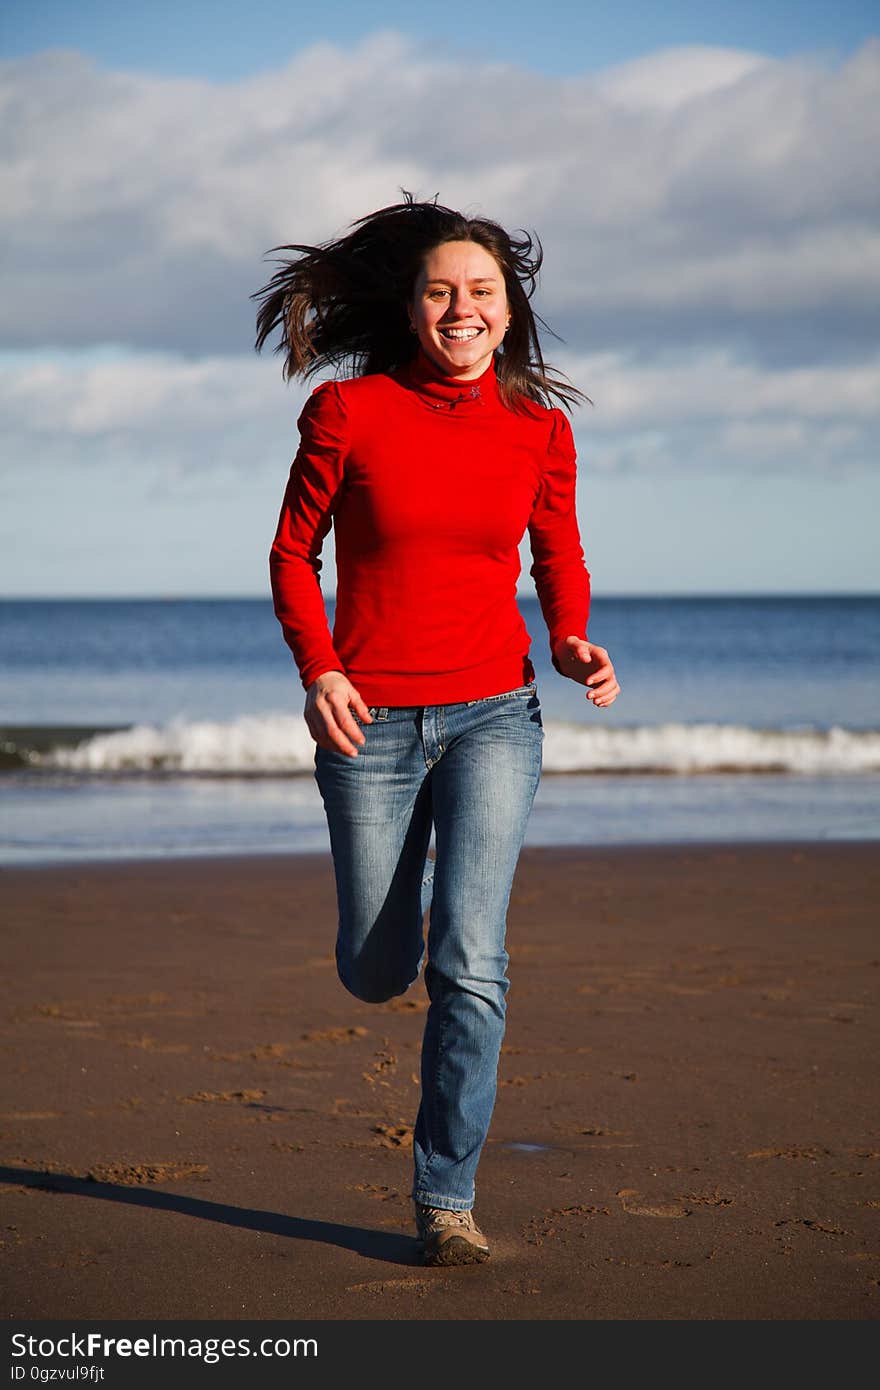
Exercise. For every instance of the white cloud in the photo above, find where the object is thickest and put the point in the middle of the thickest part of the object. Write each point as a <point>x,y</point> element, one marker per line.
<point>700,412</point>
<point>177,418</point>
<point>673,77</point>
<point>170,417</point>
<point>695,195</point>
<point>716,385</point>
<point>709,217</point>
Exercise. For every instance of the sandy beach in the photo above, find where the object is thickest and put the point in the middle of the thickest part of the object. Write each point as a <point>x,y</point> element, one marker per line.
<point>199,1123</point>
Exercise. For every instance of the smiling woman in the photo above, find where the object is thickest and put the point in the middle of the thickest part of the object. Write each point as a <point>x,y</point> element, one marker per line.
<point>459,309</point>
<point>431,465</point>
<point>351,303</point>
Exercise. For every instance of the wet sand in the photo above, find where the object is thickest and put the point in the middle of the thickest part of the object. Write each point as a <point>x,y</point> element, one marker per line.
<point>197,1121</point>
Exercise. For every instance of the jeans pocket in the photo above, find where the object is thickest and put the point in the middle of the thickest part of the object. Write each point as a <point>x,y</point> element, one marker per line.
<point>519,692</point>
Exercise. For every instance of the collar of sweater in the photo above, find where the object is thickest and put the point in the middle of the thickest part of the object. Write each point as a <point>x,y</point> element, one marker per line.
<point>450,393</point>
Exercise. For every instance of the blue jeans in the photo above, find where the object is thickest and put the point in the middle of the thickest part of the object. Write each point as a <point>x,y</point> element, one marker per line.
<point>470,770</point>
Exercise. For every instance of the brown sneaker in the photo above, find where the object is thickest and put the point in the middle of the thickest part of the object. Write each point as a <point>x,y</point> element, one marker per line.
<point>450,1237</point>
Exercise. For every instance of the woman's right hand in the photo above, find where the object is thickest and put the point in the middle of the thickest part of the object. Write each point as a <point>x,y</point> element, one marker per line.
<point>329,717</point>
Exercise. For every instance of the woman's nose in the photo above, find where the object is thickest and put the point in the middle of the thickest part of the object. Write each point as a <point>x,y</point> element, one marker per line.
<point>460,304</point>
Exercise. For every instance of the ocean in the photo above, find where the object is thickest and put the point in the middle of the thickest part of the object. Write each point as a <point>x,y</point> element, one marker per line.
<point>141,728</point>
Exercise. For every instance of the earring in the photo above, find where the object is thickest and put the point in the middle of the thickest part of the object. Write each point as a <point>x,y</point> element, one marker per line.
<point>412,328</point>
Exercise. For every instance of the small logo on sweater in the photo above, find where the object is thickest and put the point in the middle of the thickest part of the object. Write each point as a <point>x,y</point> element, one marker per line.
<point>474,394</point>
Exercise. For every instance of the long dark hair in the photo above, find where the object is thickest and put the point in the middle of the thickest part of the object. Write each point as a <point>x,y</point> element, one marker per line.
<point>344,303</point>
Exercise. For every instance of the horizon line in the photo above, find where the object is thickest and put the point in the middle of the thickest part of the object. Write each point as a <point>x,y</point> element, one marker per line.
<point>181,597</point>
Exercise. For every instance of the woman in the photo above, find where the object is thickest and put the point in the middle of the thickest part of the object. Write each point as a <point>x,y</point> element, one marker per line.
<point>431,460</point>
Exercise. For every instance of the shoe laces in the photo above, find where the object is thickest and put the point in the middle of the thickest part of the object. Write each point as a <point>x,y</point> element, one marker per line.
<point>440,1217</point>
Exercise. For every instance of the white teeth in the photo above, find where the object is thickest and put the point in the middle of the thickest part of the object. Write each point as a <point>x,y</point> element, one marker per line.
<point>460,334</point>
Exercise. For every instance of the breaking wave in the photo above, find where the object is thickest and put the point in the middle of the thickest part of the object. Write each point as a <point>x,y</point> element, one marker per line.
<point>279,744</point>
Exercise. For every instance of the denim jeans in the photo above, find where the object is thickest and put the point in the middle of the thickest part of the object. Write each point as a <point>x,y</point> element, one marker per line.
<point>470,770</point>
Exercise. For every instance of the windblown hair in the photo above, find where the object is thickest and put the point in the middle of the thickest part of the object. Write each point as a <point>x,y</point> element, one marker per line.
<point>344,303</point>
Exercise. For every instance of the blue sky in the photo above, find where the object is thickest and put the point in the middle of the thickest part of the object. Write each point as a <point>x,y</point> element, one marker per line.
<point>706,182</point>
<point>225,40</point>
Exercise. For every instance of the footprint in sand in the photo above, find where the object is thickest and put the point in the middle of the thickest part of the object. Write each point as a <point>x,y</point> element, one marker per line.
<point>708,1199</point>
<point>72,1015</point>
<point>13,1115</point>
<point>384,1065</point>
<point>335,1035</point>
<point>633,1204</point>
<point>150,1044</point>
<point>263,1052</point>
<point>420,1287</point>
<point>393,1136</point>
<point>560,1221</point>
<point>791,1151</point>
<point>74,1012</point>
<point>140,1174</point>
<point>821,1226</point>
<point>528,1078</point>
<point>380,1192</point>
<point>312,963</point>
<point>404,1006</point>
<point>222,1097</point>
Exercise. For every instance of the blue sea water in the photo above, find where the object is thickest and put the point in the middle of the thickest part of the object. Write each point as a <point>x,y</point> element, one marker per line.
<point>141,728</point>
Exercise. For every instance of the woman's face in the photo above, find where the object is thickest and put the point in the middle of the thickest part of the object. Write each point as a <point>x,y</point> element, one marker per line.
<point>459,308</point>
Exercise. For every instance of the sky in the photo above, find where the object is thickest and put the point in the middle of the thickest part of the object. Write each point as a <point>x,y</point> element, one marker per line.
<point>704,178</point>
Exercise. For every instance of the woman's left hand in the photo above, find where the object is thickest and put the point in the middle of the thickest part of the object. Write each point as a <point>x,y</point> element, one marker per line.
<point>589,665</point>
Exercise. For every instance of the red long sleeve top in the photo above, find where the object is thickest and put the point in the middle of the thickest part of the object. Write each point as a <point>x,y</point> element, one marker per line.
<point>430,484</point>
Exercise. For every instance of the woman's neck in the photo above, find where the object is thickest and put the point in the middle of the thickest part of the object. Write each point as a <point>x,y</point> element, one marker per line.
<point>459,393</point>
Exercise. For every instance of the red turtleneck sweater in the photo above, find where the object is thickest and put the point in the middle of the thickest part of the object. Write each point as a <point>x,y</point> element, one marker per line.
<point>430,484</point>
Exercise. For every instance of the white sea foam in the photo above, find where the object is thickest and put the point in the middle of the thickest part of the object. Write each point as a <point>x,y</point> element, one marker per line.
<point>697,748</point>
<point>271,744</point>
<point>251,744</point>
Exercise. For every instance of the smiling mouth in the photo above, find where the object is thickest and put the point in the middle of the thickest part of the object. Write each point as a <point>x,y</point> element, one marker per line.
<point>459,335</point>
